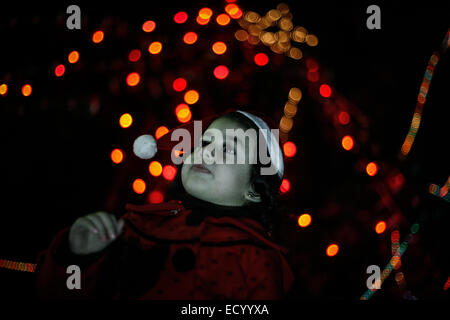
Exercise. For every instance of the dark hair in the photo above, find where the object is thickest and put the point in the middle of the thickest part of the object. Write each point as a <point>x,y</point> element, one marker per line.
<point>267,186</point>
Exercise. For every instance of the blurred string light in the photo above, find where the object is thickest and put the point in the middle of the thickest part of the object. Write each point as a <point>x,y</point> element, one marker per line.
<point>73,57</point>
<point>421,99</point>
<point>180,17</point>
<point>254,30</point>
<point>290,110</point>
<point>59,70</point>
<point>98,36</point>
<point>139,186</point>
<point>26,90</point>
<point>125,120</point>
<point>3,89</point>
<point>161,131</point>
<point>148,26</point>
<point>17,266</point>
<point>117,156</point>
<point>443,193</point>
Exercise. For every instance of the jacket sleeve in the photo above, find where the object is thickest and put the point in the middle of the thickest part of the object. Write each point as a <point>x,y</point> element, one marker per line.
<point>52,275</point>
<point>268,275</point>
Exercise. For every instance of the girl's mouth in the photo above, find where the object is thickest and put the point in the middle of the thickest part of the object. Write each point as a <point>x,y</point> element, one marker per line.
<point>200,168</point>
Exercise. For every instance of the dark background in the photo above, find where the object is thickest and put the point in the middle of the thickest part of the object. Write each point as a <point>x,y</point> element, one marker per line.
<point>55,162</point>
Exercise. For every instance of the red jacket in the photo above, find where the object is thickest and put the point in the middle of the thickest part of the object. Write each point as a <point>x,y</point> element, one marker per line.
<point>160,256</point>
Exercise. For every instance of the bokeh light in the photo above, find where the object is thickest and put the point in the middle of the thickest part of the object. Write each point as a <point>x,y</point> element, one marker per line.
<point>161,131</point>
<point>304,220</point>
<point>98,36</point>
<point>73,57</point>
<point>325,91</point>
<point>261,59</point>
<point>3,89</point>
<point>139,186</point>
<point>332,250</point>
<point>289,149</point>
<point>223,19</point>
<point>117,156</point>
<point>134,55</point>
<point>26,90</point>
<point>133,79</point>
<point>233,11</point>
<point>169,172</point>
<point>59,70</point>
<point>219,47</point>
<point>180,17</point>
<point>344,118</point>
<point>202,21</point>
<point>125,120</point>
<point>190,37</point>
<point>155,47</point>
<point>285,186</point>
<point>155,168</point>
<point>221,72</point>
<point>380,227</point>
<point>205,13</point>
<point>148,26</point>
<point>156,196</point>
<point>348,143</point>
<point>191,97</point>
<point>371,169</point>
<point>183,113</point>
<point>179,84</point>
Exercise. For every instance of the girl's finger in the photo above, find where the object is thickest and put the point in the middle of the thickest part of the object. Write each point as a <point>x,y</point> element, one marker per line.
<point>109,222</point>
<point>93,218</point>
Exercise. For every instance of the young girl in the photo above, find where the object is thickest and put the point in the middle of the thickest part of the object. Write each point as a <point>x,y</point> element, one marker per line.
<point>212,241</point>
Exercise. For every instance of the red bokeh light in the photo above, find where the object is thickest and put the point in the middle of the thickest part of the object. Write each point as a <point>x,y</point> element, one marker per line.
<point>134,55</point>
<point>221,72</point>
<point>180,17</point>
<point>179,84</point>
<point>59,70</point>
<point>325,91</point>
<point>285,186</point>
<point>289,149</point>
<point>169,172</point>
<point>155,196</point>
<point>261,59</point>
<point>344,118</point>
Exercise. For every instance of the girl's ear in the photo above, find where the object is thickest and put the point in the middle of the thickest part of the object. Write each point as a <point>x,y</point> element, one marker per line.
<point>252,196</point>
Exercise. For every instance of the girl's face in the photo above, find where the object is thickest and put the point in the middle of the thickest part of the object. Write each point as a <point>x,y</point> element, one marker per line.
<point>216,180</point>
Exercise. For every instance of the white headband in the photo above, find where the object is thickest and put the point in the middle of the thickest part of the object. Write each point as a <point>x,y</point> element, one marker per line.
<point>275,153</point>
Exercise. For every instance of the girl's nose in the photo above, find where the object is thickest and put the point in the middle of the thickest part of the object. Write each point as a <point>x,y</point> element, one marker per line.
<point>208,154</point>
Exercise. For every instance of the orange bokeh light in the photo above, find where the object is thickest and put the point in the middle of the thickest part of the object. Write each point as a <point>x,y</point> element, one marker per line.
<point>155,47</point>
<point>133,79</point>
<point>3,89</point>
<point>202,21</point>
<point>223,19</point>
<point>205,13</point>
<point>98,36</point>
<point>332,250</point>
<point>221,72</point>
<point>59,70</point>
<point>169,172</point>
<point>139,186</point>
<point>191,97</point>
<point>148,26</point>
<point>26,90</point>
<point>304,220</point>
<point>183,113</point>
<point>233,10</point>
<point>155,168</point>
<point>380,227</point>
<point>219,47</point>
<point>285,186</point>
<point>125,120</point>
<point>190,37</point>
<point>117,156</point>
<point>348,143</point>
<point>161,131</point>
<point>289,149</point>
<point>73,57</point>
<point>371,169</point>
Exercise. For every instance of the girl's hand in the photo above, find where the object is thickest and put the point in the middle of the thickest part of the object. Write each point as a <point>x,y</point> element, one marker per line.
<point>93,232</point>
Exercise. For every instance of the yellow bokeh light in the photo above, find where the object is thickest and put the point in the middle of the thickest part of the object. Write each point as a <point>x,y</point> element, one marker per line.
<point>304,220</point>
<point>155,168</point>
<point>125,120</point>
